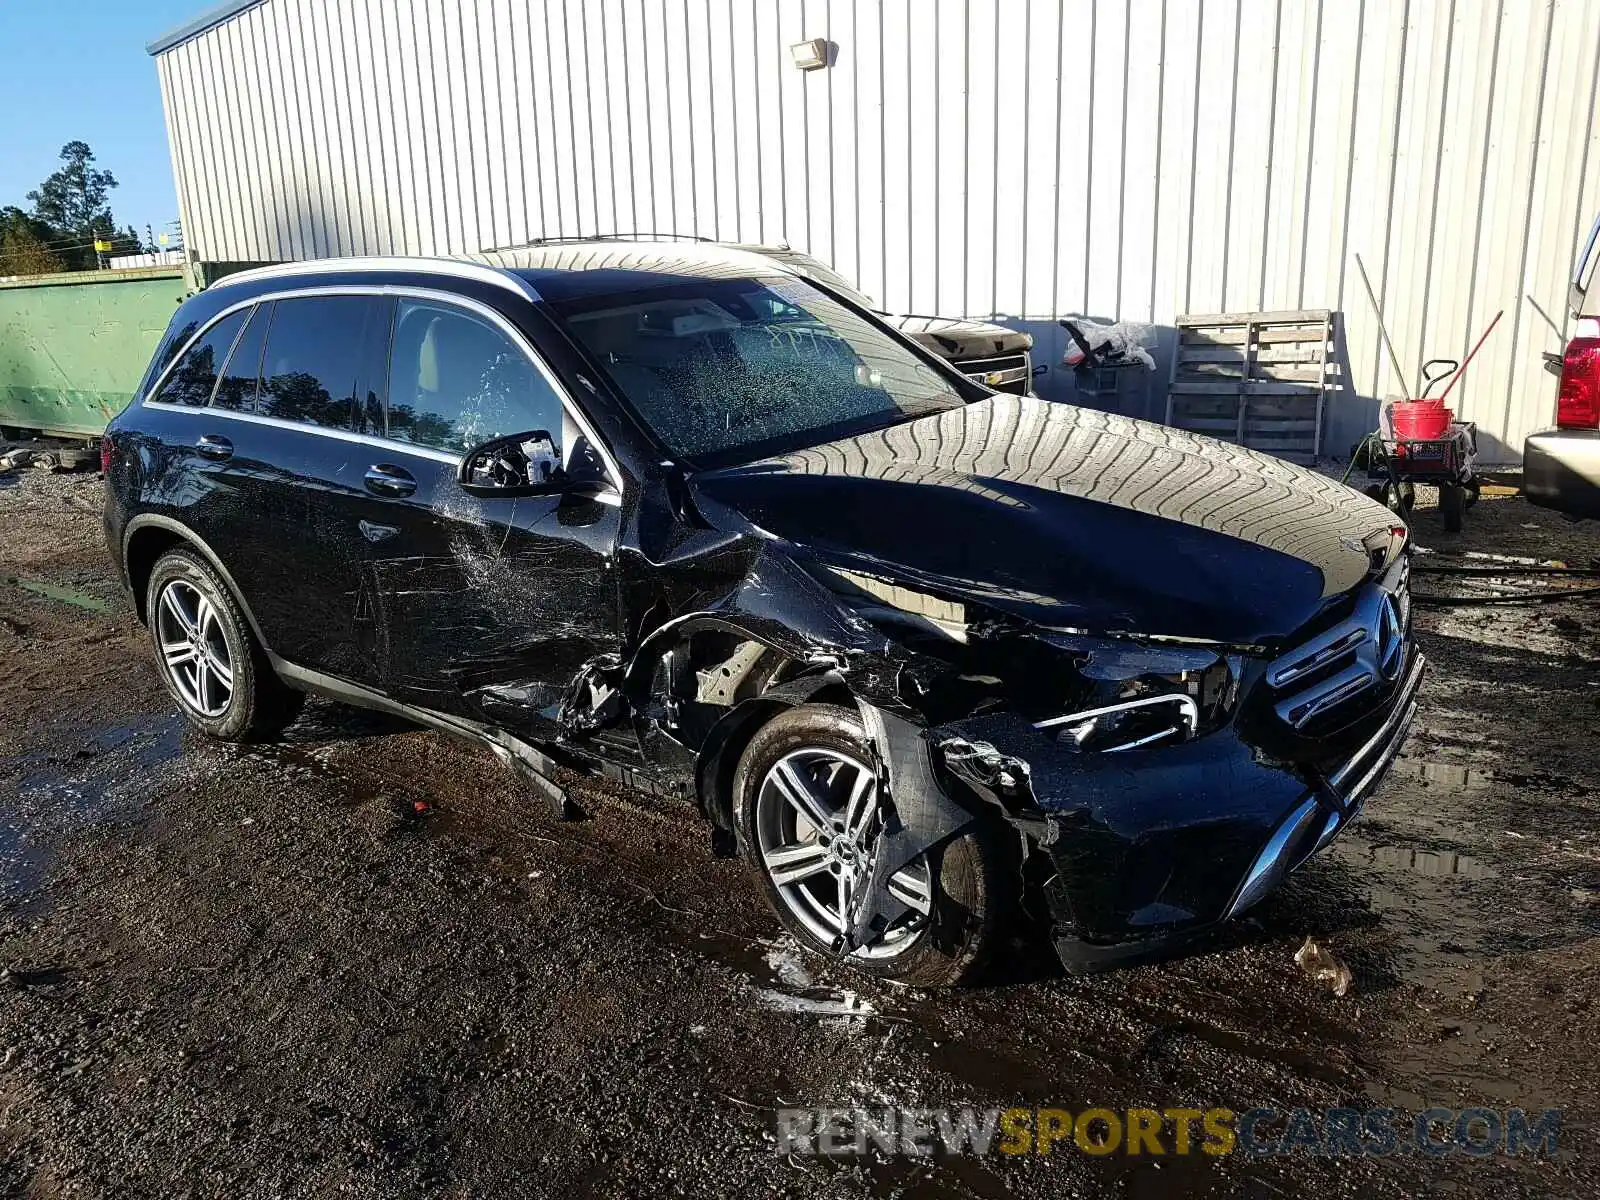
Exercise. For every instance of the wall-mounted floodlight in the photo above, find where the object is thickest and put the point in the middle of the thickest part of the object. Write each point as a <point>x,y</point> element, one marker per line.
<point>808,56</point>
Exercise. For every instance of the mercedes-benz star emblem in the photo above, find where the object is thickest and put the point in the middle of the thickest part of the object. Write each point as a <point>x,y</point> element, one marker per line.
<point>1391,641</point>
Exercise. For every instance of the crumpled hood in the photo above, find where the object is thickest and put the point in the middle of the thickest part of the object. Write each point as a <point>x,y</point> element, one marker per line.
<point>1068,517</point>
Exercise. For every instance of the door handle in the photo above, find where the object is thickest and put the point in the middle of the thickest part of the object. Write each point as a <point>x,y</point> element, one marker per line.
<point>214,445</point>
<point>386,480</point>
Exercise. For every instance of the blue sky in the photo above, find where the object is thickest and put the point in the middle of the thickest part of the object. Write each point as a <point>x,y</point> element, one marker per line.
<point>76,69</point>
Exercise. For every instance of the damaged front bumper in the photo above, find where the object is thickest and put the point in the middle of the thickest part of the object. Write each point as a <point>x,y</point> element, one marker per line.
<point>1152,848</point>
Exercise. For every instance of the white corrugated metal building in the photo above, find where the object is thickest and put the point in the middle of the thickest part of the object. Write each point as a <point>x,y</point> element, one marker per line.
<point>1135,159</point>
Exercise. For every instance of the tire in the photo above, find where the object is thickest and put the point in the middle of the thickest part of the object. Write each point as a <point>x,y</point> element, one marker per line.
<point>207,656</point>
<point>1398,498</point>
<point>968,883</point>
<point>1452,503</point>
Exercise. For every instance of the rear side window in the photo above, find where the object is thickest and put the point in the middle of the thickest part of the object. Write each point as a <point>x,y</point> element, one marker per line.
<point>195,374</point>
<point>312,359</point>
<point>455,381</point>
<point>236,390</point>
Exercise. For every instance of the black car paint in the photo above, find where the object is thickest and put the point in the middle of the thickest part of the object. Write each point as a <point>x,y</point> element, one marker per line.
<point>1013,502</point>
<point>567,626</point>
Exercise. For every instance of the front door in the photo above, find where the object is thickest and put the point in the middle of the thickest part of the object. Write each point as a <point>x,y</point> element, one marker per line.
<point>486,608</point>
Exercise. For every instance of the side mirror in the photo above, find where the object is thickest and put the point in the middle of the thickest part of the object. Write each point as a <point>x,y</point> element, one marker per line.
<point>523,464</point>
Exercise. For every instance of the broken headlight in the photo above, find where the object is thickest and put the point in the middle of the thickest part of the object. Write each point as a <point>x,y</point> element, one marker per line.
<point>1132,696</point>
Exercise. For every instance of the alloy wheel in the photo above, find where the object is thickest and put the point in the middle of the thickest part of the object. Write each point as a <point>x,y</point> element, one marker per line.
<point>194,651</point>
<point>817,823</point>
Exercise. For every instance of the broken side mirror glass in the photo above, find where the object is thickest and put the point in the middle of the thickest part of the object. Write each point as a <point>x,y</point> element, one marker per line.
<point>531,464</point>
<point>523,464</point>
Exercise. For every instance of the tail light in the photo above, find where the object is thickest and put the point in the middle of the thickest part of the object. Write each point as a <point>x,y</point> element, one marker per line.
<point>105,455</point>
<point>1578,403</point>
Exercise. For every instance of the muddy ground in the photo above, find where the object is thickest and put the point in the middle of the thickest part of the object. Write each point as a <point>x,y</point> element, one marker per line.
<point>367,962</point>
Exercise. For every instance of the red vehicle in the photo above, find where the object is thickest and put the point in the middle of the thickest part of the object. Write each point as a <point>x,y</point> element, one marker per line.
<point>1561,466</point>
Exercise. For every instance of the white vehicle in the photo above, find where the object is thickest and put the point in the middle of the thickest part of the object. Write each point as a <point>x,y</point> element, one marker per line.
<point>1561,466</point>
<point>995,356</point>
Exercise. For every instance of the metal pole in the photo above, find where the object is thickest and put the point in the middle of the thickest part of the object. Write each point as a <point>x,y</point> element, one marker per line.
<point>1394,359</point>
<point>1462,369</point>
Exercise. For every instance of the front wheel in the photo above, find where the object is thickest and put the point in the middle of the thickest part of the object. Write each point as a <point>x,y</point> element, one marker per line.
<point>806,792</point>
<point>208,658</point>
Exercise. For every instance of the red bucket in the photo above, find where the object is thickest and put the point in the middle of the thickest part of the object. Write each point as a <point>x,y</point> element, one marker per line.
<point>1421,420</point>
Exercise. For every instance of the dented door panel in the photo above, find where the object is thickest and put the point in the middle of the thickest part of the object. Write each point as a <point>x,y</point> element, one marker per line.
<point>486,608</point>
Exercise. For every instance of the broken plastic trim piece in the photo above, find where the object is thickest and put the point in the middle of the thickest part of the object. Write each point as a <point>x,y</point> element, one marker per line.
<point>538,769</point>
<point>594,697</point>
<point>918,816</point>
<point>1001,780</point>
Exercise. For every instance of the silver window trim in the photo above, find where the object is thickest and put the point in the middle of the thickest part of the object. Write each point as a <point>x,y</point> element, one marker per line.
<point>448,299</point>
<point>341,435</point>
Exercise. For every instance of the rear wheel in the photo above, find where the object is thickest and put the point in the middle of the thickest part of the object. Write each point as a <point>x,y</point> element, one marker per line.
<point>207,656</point>
<point>809,813</point>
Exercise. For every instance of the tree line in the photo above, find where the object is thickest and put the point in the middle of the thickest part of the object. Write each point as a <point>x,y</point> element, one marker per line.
<point>69,213</point>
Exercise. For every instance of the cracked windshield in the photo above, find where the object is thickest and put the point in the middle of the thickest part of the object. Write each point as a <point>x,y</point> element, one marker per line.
<point>729,370</point>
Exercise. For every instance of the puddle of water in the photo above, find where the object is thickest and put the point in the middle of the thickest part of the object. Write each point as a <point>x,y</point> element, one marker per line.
<point>1439,864</point>
<point>784,959</point>
<point>56,591</point>
<point>1451,775</point>
<point>62,789</point>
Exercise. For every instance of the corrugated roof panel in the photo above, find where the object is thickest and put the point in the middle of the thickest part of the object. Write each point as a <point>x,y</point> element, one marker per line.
<point>205,21</point>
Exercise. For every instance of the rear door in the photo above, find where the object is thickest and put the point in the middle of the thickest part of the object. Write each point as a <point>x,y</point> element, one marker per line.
<point>286,406</point>
<point>482,607</point>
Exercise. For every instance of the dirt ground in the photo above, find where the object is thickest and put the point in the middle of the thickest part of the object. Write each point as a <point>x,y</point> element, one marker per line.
<point>367,962</point>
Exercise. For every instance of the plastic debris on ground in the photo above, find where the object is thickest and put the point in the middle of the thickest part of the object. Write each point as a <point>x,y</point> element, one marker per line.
<point>1323,966</point>
<point>805,994</point>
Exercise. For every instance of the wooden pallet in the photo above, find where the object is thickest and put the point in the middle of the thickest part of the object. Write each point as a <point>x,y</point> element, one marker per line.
<point>1259,379</point>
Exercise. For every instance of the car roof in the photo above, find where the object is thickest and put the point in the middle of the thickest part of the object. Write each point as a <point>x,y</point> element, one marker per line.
<point>554,263</point>
<point>521,269</point>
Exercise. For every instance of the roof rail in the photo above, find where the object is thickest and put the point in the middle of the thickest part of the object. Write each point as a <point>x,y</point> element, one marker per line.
<point>458,267</point>
<point>579,239</point>
<point>697,250</point>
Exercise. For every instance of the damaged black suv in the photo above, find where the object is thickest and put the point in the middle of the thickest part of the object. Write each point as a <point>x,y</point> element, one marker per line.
<point>679,515</point>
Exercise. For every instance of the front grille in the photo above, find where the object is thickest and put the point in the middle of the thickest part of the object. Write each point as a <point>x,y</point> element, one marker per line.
<point>1314,822</point>
<point>1352,779</point>
<point>1313,683</point>
<point>1004,372</point>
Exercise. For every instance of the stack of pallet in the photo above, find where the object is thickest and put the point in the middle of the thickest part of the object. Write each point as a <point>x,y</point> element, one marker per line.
<point>1261,380</point>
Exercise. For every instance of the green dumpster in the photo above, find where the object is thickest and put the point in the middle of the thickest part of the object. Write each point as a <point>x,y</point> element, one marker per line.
<point>73,346</point>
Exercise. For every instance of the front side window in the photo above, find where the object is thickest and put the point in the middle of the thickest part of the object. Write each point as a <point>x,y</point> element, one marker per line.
<point>312,358</point>
<point>195,375</point>
<point>729,369</point>
<point>457,381</point>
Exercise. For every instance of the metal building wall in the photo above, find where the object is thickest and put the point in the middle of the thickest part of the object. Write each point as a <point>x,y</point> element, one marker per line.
<point>1029,158</point>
